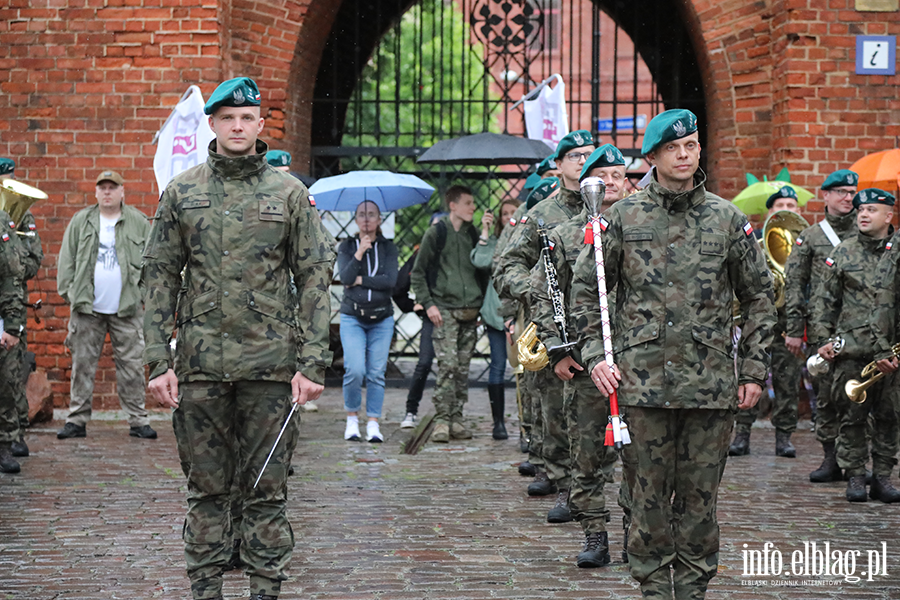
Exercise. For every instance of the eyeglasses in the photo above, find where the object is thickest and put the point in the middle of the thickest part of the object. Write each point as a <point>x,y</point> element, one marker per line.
<point>842,193</point>
<point>577,156</point>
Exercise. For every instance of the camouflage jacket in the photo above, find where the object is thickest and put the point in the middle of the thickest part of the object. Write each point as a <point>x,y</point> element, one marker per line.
<point>566,241</point>
<point>32,253</point>
<point>12,300</point>
<point>846,300</point>
<point>78,257</point>
<point>512,273</point>
<point>887,299</point>
<point>508,307</point>
<point>239,230</point>
<point>675,261</point>
<point>805,269</point>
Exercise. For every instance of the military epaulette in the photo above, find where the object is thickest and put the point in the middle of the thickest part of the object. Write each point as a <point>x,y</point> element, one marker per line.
<point>748,229</point>
<point>829,261</point>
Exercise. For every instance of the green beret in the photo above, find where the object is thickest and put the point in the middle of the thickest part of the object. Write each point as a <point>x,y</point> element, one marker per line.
<point>278,158</point>
<point>542,191</point>
<point>839,178</point>
<point>548,164</point>
<point>240,91</point>
<point>576,139</point>
<point>667,126</point>
<point>606,155</point>
<point>784,192</point>
<point>873,196</point>
<point>532,181</point>
<point>7,166</point>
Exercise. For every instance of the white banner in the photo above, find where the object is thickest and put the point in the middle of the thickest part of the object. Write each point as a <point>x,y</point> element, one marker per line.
<point>545,116</point>
<point>182,142</point>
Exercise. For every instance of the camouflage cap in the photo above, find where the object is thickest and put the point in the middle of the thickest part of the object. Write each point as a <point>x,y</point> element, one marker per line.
<point>548,164</point>
<point>278,158</point>
<point>7,166</point>
<point>576,139</point>
<point>873,196</point>
<point>542,191</point>
<point>606,155</point>
<point>110,176</point>
<point>785,191</point>
<point>240,91</point>
<point>839,178</point>
<point>667,126</point>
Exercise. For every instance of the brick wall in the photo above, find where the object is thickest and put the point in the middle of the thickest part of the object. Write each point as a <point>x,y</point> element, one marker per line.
<point>84,85</point>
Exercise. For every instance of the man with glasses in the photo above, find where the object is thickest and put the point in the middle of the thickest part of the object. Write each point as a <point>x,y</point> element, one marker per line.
<point>804,273</point>
<point>512,278</point>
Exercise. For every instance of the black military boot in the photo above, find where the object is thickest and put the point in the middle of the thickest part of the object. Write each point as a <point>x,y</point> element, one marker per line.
<point>496,394</point>
<point>560,512</point>
<point>783,445</point>
<point>856,488</point>
<point>596,551</point>
<point>741,444</point>
<point>829,470</point>
<point>883,490</point>
<point>8,464</point>
<point>526,469</point>
<point>541,486</point>
<point>19,447</point>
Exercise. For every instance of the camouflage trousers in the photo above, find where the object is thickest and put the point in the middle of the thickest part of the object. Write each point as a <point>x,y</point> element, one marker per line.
<point>9,418</point>
<point>554,443</point>
<point>673,467</point>
<point>826,408</point>
<point>14,371</point>
<point>878,411</point>
<point>454,343</point>
<point>224,432</point>
<point>786,372</point>
<point>531,413</point>
<point>87,334</point>
<point>593,463</point>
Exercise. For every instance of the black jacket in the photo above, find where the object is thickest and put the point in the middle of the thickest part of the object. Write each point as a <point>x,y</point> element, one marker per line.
<point>378,268</point>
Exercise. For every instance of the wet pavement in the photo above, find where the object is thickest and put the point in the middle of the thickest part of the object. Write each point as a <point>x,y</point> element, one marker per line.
<point>100,518</point>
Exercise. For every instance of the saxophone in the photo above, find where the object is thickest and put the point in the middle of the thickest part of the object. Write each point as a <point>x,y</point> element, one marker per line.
<point>532,352</point>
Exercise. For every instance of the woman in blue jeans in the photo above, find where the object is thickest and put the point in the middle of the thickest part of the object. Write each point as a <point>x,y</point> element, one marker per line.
<point>367,266</point>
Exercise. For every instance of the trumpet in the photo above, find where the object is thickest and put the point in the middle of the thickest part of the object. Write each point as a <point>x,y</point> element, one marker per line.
<point>816,365</point>
<point>856,388</point>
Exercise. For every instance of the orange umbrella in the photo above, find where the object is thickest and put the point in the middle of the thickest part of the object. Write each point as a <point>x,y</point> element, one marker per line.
<point>879,170</point>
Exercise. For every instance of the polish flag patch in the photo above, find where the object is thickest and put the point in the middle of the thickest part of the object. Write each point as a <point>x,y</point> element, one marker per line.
<point>312,201</point>
<point>603,224</point>
<point>748,229</point>
<point>5,237</point>
<point>888,245</point>
<point>799,241</point>
<point>552,245</point>
<point>32,227</point>
<point>829,261</point>
<point>512,222</point>
<point>523,220</point>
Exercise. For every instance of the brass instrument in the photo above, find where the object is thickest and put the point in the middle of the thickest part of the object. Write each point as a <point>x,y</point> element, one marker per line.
<point>816,365</point>
<point>532,353</point>
<point>16,198</point>
<point>780,232</point>
<point>856,388</point>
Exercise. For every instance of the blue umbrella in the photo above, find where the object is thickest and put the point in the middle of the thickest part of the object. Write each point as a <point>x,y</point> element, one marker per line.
<point>390,191</point>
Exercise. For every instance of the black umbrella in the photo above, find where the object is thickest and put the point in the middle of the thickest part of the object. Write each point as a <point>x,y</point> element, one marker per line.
<point>486,149</point>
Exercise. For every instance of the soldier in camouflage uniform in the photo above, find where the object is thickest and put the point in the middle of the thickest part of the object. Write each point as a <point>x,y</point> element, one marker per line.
<point>31,257</point>
<point>804,273</point>
<point>843,308</point>
<point>239,230</point>
<point>587,411</point>
<point>786,369</point>
<point>515,265</point>
<point>451,289</point>
<point>12,330</point>
<point>676,255</point>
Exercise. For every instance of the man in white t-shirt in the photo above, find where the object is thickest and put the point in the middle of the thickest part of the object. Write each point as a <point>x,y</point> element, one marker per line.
<point>98,272</point>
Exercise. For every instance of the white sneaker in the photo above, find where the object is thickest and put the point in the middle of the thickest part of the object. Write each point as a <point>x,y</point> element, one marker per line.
<point>409,421</point>
<point>351,433</point>
<point>373,433</point>
<point>310,407</point>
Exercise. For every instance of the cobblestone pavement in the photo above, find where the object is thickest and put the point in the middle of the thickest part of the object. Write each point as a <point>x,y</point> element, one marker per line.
<point>100,518</point>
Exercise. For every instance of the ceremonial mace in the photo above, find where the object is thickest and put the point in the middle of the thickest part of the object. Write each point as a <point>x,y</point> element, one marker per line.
<point>593,190</point>
<point>275,445</point>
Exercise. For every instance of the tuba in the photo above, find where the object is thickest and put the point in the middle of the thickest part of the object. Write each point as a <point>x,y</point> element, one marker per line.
<point>780,231</point>
<point>16,198</point>
<point>531,351</point>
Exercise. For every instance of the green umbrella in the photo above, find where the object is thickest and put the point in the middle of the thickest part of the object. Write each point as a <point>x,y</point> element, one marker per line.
<point>752,200</point>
